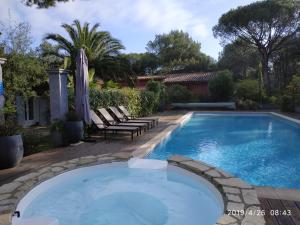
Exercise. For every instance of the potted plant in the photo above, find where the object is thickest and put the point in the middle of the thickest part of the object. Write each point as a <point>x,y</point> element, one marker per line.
<point>11,152</point>
<point>57,133</point>
<point>74,128</point>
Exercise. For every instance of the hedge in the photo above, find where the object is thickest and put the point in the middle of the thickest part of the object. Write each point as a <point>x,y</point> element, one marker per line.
<point>138,103</point>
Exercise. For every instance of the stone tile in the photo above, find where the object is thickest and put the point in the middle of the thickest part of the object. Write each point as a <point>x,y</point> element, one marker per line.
<point>19,194</point>
<point>231,190</point>
<point>226,219</point>
<point>235,206</point>
<point>195,166</point>
<point>44,170</point>
<point>4,196</point>
<point>73,161</point>
<point>122,155</point>
<point>252,218</point>
<point>250,197</point>
<point>9,201</point>
<point>232,182</point>
<point>27,177</point>
<point>213,173</point>
<point>45,176</point>
<point>178,158</point>
<point>70,166</point>
<point>60,164</point>
<point>233,198</point>
<point>105,159</point>
<point>225,174</point>
<point>8,188</point>
<point>57,169</point>
<point>84,160</point>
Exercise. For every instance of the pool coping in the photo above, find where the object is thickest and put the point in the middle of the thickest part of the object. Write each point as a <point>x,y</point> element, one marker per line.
<point>237,195</point>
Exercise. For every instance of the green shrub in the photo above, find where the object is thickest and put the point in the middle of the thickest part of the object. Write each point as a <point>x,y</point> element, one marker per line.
<point>247,105</point>
<point>287,103</point>
<point>148,104</point>
<point>178,93</point>
<point>248,89</point>
<point>34,141</point>
<point>138,103</point>
<point>159,90</point>
<point>273,100</point>
<point>111,85</point>
<point>132,101</point>
<point>221,87</point>
<point>105,98</point>
<point>293,89</point>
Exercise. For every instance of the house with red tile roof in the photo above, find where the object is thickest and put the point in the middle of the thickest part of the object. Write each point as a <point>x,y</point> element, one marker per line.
<point>196,82</point>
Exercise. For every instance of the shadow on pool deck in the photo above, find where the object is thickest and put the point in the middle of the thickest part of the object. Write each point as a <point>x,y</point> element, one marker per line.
<point>115,143</point>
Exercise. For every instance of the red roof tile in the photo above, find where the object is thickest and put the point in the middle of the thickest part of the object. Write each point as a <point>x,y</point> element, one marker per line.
<point>189,77</point>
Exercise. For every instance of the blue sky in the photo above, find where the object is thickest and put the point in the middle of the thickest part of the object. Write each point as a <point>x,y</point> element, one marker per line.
<point>134,22</point>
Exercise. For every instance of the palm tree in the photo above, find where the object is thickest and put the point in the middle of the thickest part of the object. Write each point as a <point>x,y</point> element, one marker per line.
<point>100,47</point>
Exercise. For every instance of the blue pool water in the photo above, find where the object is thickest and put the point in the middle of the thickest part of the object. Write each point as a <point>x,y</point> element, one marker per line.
<point>115,194</point>
<point>262,149</point>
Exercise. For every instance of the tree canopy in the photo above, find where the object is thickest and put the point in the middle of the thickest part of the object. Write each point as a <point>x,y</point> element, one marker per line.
<point>174,52</point>
<point>41,4</point>
<point>267,25</point>
<point>102,50</point>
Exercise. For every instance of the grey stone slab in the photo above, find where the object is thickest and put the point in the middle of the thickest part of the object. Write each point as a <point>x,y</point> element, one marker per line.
<point>235,206</point>
<point>57,169</point>
<point>213,173</point>
<point>250,197</point>
<point>178,158</point>
<point>225,174</point>
<point>27,177</point>
<point>251,217</point>
<point>231,190</point>
<point>4,196</point>
<point>195,166</point>
<point>226,219</point>
<point>232,182</point>
<point>233,198</point>
<point>122,155</point>
<point>9,201</point>
<point>45,176</point>
<point>8,188</point>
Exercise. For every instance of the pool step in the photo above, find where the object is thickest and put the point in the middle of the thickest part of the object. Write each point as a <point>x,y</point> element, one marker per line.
<point>37,221</point>
<point>147,163</point>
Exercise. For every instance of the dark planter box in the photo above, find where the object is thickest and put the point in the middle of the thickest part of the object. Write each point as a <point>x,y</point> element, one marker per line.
<point>11,152</point>
<point>74,131</point>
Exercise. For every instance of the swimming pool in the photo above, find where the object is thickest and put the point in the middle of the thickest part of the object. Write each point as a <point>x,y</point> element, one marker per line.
<point>121,193</point>
<point>262,149</point>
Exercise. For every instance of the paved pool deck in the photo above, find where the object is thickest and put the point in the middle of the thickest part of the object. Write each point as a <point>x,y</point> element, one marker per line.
<point>115,143</point>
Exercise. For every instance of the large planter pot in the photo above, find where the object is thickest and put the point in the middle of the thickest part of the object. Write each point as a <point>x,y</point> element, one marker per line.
<point>297,109</point>
<point>74,131</point>
<point>11,151</point>
<point>58,138</point>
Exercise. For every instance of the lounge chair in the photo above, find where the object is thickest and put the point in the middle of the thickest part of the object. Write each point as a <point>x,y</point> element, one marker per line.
<point>122,119</point>
<point>154,121</point>
<point>111,121</point>
<point>101,126</point>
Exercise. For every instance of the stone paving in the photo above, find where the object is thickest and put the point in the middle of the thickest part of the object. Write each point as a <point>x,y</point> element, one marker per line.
<point>240,200</point>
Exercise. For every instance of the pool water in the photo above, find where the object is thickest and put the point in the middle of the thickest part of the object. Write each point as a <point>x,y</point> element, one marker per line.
<point>261,149</point>
<point>118,195</point>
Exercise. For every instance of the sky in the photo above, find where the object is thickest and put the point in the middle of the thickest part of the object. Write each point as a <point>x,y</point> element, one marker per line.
<point>134,22</point>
